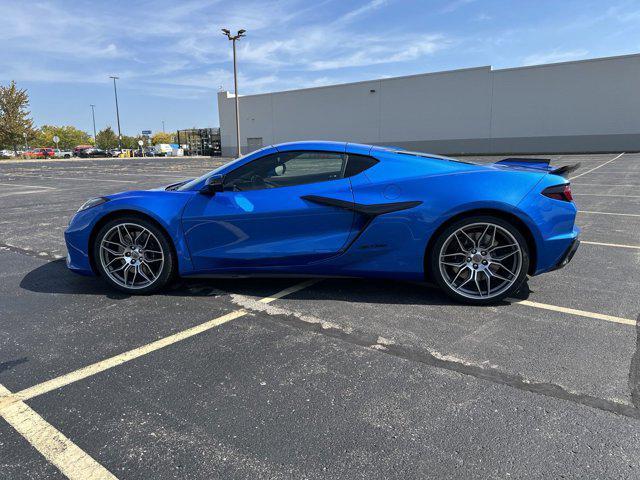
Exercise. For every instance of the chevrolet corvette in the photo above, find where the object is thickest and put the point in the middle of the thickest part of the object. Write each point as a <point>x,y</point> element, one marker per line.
<point>337,209</point>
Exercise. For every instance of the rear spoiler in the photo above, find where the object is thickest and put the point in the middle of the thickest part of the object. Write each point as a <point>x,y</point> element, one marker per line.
<point>540,164</point>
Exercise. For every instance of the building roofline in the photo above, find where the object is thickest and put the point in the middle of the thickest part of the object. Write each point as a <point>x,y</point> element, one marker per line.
<point>569,62</point>
<point>441,72</point>
<point>360,82</point>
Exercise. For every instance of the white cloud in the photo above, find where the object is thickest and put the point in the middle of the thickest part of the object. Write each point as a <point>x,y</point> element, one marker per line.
<point>555,56</point>
<point>178,51</point>
<point>366,8</point>
<point>483,17</point>
<point>454,5</point>
<point>380,52</point>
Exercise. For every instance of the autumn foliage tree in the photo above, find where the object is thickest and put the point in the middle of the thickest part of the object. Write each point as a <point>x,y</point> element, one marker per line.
<point>15,121</point>
<point>161,137</point>
<point>70,137</point>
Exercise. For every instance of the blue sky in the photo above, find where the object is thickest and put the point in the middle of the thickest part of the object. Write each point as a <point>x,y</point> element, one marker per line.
<point>172,58</point>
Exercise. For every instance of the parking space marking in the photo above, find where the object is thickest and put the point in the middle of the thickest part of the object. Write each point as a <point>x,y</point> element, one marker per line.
<point>24,192</point>
<point>60,177</point>
<point>599,166</point>
<point>610,213</point>
<point>26,186</point>
<point>605,184</point>
<point>70,459</point>
<point>573,311</point>
<point>606,195</point>
<point>124,357</point>
<point>619,245</point>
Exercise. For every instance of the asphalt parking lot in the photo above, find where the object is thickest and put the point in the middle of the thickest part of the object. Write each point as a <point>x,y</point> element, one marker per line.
<point>328,378</point>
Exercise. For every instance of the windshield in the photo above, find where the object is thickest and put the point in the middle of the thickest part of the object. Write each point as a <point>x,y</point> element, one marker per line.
<point>192,183</point>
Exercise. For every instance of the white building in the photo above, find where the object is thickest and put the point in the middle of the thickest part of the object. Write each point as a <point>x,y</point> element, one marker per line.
<point>583,106</point>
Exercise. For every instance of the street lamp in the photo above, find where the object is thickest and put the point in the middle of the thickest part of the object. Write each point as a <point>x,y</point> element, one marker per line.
<point>93,115</point>
<point>233,39</point>
<point>115,91</point>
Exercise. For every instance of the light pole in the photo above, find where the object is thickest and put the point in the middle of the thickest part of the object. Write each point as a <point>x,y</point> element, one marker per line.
<point>233,39</point>
<point>162,126</point>
<point>93,115</point>
<point>115,91</point>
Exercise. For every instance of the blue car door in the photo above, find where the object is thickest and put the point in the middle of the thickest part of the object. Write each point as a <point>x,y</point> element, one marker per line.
<point>261,219</point>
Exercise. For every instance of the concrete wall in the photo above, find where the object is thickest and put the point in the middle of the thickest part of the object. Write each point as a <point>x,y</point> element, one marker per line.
<point>584,106</point>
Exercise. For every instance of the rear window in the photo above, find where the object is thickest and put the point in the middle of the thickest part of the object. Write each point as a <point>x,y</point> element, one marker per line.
<point>435,157</point>
<point>357,164</point>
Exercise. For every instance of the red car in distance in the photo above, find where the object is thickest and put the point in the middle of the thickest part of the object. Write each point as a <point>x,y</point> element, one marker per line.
<point>40,153</point>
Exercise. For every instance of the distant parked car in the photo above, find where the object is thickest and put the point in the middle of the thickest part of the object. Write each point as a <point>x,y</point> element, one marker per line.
<point>7,153</point>
<point>79,148</point>
<point>163,149</point>
<point>62,153</point>
<point>92,152</point>
<point>114,152</point>
<point>40,153</point>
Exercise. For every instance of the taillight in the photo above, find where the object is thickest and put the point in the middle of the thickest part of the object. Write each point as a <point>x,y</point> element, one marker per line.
<point>559,192</point>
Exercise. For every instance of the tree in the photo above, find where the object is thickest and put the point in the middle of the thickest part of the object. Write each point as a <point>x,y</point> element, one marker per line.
<point>129,142</point>
<point>15,123</point>
<point>69,136</point>
<point>106,138</point>
<point>161,137</point>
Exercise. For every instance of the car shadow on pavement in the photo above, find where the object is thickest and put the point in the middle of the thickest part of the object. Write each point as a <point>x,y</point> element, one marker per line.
<point>53,277</point>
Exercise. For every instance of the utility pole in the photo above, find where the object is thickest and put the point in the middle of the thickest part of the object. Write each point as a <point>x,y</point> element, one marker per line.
<point>162,126</point>
<point>93,114</point>
<point>233,39</point>
<point>115,91</point>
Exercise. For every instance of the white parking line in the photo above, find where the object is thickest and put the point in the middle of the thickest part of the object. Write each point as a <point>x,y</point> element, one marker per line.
<point>599,166</point>
<point>605,195</point>
<point>53,445</point>
<point>604,184</point>
<point>26,186</point>
<point>618,245</point>
<point>23,192</point>
<point>573,311</point>
<point>70,459</point>
<point>610,213</point>
<point>124,357</point>
<point>60,177</point>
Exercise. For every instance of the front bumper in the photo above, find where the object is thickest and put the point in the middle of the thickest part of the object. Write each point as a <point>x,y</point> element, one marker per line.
<point>568,254</point>
<point>77,251</point>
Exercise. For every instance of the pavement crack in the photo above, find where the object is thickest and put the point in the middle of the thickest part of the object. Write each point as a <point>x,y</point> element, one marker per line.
<point>435,359</point>
<point>634,370</point>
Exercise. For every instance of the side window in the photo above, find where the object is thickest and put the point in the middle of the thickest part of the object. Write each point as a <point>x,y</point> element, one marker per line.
<point>285,169</point>
<point>357,164</point>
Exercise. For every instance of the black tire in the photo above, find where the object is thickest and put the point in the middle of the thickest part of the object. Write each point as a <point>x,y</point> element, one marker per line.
<point>436,268</point>
<point>160,239</point>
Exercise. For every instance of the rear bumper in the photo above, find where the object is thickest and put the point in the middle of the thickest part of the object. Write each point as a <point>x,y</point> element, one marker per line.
<point>568,254</point>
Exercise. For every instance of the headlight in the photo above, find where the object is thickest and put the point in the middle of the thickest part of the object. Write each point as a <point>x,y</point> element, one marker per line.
<point>92,202</point>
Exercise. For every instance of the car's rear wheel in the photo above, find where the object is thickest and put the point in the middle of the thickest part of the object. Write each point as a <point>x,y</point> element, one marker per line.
<point>133,255</point>
<point>480,259</point>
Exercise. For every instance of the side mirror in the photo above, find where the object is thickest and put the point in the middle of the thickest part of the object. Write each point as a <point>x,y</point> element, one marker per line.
<point>215,183</point>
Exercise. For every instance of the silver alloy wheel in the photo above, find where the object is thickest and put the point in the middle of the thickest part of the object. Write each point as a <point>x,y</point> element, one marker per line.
<point>131,255</point>
<point>480,260</point>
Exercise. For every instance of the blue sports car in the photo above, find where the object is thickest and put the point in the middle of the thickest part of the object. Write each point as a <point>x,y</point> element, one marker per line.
<point>337,209</point>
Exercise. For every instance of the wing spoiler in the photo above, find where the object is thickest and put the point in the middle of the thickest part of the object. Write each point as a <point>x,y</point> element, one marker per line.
<point>539,164</point>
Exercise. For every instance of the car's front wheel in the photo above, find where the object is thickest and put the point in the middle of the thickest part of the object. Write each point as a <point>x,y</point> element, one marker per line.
<point>133,255</point>
<point>480,259</point>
